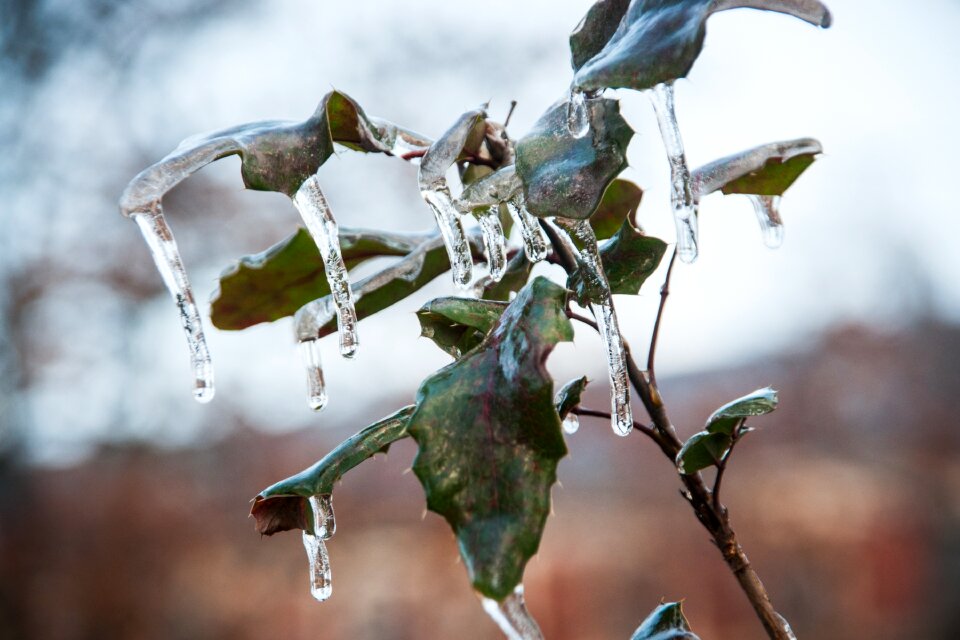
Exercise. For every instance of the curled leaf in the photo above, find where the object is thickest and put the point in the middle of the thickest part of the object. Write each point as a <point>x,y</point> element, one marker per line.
<point>457,325</point>
<point>767,170</point>
<point>595,30</point>
<point>729,416</point>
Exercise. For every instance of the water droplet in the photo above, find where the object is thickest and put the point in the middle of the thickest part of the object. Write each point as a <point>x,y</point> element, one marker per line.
<point>312,205</point>
<point>768,215</point>
<point>166,256</point>
<point>448,220</point>
<point>512,616</point>
<point>316,386</point>
<point>534,243</point>
<point>681,194</point>
<point>578,114</point>
<point>493,241</point>
<point>571,424</point>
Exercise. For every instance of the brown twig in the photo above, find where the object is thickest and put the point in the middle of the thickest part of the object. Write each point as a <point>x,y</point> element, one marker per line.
<point>594,413</point>
<point>664,293</point>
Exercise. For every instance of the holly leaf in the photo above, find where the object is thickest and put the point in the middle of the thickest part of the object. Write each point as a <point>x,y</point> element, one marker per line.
<point>667,622</point>
<point>568,397</point>
<point>658,41</point>
<point>620,199</point>
<point>767,170</point>
<point>490,439</point>
<point>564,175</point>
<point>628,258</point>
<point>457,325</point>
<point>283,506</point>
<point>595,30</point>
<point>275,283</point>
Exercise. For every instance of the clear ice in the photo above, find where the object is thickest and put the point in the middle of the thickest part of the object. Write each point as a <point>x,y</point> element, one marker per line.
<point>578,114</point>
<point>316,386</point>
<point>324,526</point>
<point>512,616</point>
<point>454,237</point>
<point>768,215</point>
<point>571,424</point>
<point>534,243</point>
<point>493,241</point>
<point>312,205</point>
<point>681,195</point>
<point>603,311</point>
<point>165,254</point>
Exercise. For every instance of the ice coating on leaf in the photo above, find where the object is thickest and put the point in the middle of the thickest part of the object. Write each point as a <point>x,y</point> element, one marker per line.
<point>534,242</point>
<point>666,622</point>
<point>434,189</point>
<point>769,169</point>
<point>316,386</point>
<point>812,11</point>
<point>490,190</point>
<point>571,424</point>
<point>324,522</point>
<point>681,192</point>
<point>316,214</point>
<point>494,242</point>
<point>321,577</point>
<point>578,117</point>
<point>512,617</point>
<point>768,215</point>
<point>595,30</point>
<point>165,254</point>
<point>582,240</point>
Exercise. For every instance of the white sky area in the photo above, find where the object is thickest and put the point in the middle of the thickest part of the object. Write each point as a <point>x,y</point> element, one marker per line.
<point>871,229</point>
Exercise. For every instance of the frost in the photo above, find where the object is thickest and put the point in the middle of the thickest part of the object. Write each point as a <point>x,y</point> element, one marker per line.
<point>681,194</point>
<point>768,215</point>
<point>316,214</point>
<point>512,616</point>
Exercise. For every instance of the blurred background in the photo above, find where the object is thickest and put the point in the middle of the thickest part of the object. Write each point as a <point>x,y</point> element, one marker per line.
<point>123,504</point>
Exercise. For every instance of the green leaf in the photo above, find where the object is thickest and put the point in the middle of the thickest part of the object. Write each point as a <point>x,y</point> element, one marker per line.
<point>667,622</point>
<point>567,176</point>
<point>569,396</point>
<point>728,417</point>
<point>460,141</point>
<point>490,439</point>
<point>702,450</point>
<point>275,283</point>
<point>767,170</point>
<point>595,30</point>
<point>283,506</point>
<point>629,258</point>
<point>514,278</point>
<point>384,288</point>
<point>457,325</point>
<point>620,199</point>
<point>659,40</point>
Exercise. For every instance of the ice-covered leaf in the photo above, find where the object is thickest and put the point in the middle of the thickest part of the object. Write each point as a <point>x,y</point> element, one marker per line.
<point>565,175</point>
<point>702,450</point>
<point>728,417</point>
<point>275,283</point>
<point>284,505</point>
<point>629,258</point>
<point>620,199</point>
<point>595,30</point>
<point>380,290</point>
<point>516,276</point>
<point>659,40</point>
<point>490,439</point>
<point>667,622</point>
<point>457,325</point>
<point>767,170</point>
<point>569,396</point>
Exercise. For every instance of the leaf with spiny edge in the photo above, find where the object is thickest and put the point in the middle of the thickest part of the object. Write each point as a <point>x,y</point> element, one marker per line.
<point>490,439</point>
<point>667,622</point>
<point>457,325</point>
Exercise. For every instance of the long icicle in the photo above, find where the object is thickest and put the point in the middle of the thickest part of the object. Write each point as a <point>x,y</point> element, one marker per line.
<point>581,239</point>
<point>493,241</point>
<point>768,215</point>
<point>163,248</point>
<point>534,243</point>
<point>454,237</point>
<point>512,616</point>
<point>324,526</point>
<point>681,195</point>
<point>316,214</point>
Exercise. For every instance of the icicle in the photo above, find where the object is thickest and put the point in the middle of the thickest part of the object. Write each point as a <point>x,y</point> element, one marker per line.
<point>768,214</point>
<point>454,237</point>
<point>165,254</point>
<point>316,214</point>
<point>533,241</point>
<point>681,197</point>
<point>321,585</point>
<point>578,114</point>
<point>493,241</point>
<point>571,424</point>
<point>512,616</point>
<point>603,311</point>
<point>324,522</point>
<point>316,386</point>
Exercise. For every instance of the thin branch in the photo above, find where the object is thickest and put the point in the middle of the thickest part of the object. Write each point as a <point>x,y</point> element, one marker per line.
<point>573,315</point>
<point>664,293</point>
<point>595,413</point>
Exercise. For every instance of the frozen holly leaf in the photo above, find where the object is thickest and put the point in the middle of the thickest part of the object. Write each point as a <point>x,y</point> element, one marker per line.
<point>283,506</point>
<point>490,439</point>
<point>659,40</point>
<point>565,175</point>
<point>667,622</point>
<point>621,199</point>
<point>595,30</point>
<point>629,258</point>
<point>275,283</point>
<point>457,325</point>
<point>767,170</point>
<point>569,396</point>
